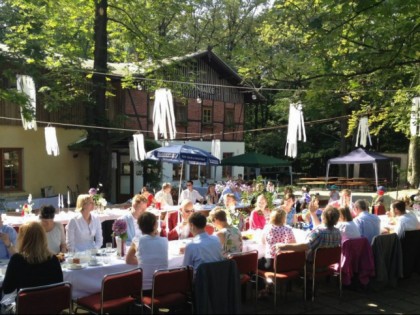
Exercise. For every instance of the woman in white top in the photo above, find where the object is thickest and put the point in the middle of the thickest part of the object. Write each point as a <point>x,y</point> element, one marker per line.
<point>84,231</point>
<point>55,230</point>
<point>151,252</point>
<point>348,229</point>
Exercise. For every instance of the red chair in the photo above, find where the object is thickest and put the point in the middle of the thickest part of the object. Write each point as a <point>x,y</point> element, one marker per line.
<point>171,289</point>
<point>119,291</point>
<point>46,299</point>
<point>247,263</point>
<point>327,262</point>
<point>288,265</point>
<point>379,210</point>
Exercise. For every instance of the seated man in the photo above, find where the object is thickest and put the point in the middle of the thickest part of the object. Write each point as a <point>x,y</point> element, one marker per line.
<point>369,224</point>
<point>7,240</point>
<point>406,221</point>
<point>204,248</point>
<point>179,229</point>
<point>190,194</point>
<point>324,235</point>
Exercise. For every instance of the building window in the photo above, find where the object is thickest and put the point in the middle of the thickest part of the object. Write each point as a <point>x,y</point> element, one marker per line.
<point>181,113</point>
<point>200,172</point>
<point>11,169</point>
<point>227,170</point>
<point>230,118</point>
<point>207,116</point>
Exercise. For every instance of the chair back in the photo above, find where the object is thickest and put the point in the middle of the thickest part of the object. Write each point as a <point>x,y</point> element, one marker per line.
<point>217,288</point>
<point>326,257</point>
<point>357,258</point>
<point>246,262</point>
<point>410,244</point>
<point>122,284</point>
<point>46,299</point>
<point>379,210</point>
<point>289,261</point>
<point>174,280</point>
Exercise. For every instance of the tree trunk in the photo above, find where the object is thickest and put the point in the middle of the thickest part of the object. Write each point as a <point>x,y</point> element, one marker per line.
<point>100,154</point>
<point>343,145</point>
<point>413,171</point>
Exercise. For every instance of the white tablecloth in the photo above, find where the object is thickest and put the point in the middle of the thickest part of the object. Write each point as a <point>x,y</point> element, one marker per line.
<point>64,217</point>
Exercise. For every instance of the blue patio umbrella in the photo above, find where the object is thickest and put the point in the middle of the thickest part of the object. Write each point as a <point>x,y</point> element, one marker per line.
<point>182,154</point>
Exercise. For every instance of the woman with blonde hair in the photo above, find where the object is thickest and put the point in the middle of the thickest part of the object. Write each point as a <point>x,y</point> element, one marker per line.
<point>84,231</point>
<point>33,264</point>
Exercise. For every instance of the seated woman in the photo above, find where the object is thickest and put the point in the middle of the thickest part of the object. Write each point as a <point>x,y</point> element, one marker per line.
<point>230,237</point>
<point>151,252</point>
<point>138,206</point>
<point>7,240</point>
<point>289,207</point>
<point>55,230</point>
<point>347,227</point>
<point>324,235</point>
<point>84,231</point>
<point>306,214</point>
<point>260,215</point>
<point>164,196</point>
<point>33,264</point>
<point>211,196</point>
<point>275,232</point>
<point>150,199</point>
<point>234,216</point>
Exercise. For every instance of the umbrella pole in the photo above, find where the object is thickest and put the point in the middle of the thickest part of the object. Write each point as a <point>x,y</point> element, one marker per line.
<point>180,181</point>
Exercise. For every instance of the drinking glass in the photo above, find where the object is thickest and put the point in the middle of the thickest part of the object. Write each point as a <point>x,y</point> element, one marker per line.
<point>109,247</point>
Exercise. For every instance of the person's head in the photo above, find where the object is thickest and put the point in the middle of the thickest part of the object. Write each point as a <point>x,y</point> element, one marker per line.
<point>147,223</point>
<point>360,205</point>
<point>190,185</point>
<point>345,215</point>
<point>139,203</point>
<point>230,200</point>
<point>84,203</point>
<point>211,189</point>
<point>333,189</point>
<point>92,191</point>
<point>32,243</point>
<point>197,223</point>
<point>306,189</point>
<point>218,217</point>
<point>46,215</point>
<point>261,202</point>
<point>330,216</point>
<point>187,208</point>
<point>166,187</point>
<point>145,191</point>
<point>345,194</point>
<point>398,207</point>
<point>278,217</point>
<point>381,190</point>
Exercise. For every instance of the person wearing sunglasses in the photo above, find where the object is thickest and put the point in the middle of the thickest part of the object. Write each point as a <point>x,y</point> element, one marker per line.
<point>190,194</point>
<point>178,221</point>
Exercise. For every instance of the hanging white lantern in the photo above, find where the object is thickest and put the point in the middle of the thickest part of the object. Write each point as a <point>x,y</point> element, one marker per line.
<point>139,151</point>
<point>51,142</point>
<point>363,132</point>
<point>415,117</point>
<point>296,129</point>
<point>164,115</point>
<point>215,149</point>
<point>26,85</point>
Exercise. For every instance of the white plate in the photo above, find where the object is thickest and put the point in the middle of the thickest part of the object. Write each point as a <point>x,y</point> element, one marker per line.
<point>75,267</point>
<point>94,264</point>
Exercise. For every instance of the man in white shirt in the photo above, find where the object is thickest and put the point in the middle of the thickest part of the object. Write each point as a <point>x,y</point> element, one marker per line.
<point>190,194</point>
<point>406,221</point>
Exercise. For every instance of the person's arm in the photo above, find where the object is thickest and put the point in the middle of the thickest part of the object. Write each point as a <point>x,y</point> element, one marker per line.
<point>99,239</point>
<point>9,239</point>
<point>131,257</point>
<point>10,282</point>
<point>312,209</point>
<point>70,235</point>
<point>56,270</point>
<point>221,237</point>
<point>296,247</point>
<point>63,245</point>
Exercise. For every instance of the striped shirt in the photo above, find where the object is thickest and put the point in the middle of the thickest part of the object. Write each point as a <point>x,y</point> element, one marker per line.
<point>322,237</point>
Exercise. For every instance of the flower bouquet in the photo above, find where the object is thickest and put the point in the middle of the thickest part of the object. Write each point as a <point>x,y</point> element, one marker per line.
<point>98,198</point>
<point>27,207</point>
<point>119,229</point>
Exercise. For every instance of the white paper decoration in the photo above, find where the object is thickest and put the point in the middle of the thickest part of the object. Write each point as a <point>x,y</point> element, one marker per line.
<point>363,132</point>
<point>51,141</point>
<point>296,129</point>
<point>164,115</point>
<point>26,85</point>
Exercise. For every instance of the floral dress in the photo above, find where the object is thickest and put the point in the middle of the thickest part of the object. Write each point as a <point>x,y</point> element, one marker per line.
<point>233,240</point>
<point>274,234</point>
